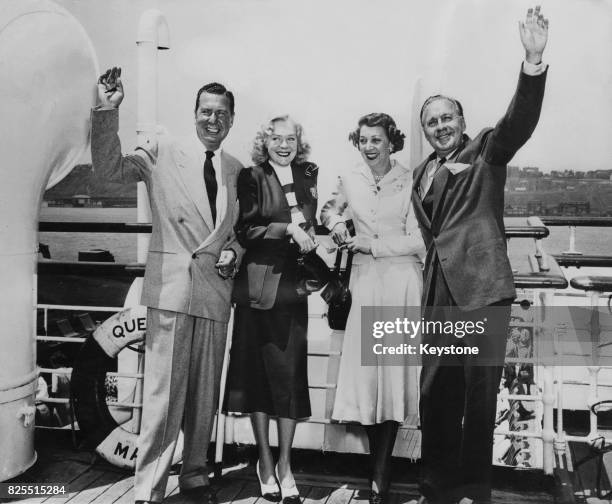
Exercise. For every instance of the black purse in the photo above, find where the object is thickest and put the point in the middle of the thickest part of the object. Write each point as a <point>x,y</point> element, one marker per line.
<point>313,273</point>
<point>337,293</point>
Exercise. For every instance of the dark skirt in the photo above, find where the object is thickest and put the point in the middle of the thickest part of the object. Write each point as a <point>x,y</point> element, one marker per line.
<point>268,360</point>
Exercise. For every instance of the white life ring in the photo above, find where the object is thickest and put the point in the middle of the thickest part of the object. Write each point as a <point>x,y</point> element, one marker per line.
<point>96,357</point>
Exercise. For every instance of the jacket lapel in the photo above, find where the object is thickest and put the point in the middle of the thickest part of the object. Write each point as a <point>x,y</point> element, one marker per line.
<point>192,176</point>
<point>441,180</point>
<point>416,197</point>
<point>439,186</point>
<point>226,171</point>
<point>298,183</point>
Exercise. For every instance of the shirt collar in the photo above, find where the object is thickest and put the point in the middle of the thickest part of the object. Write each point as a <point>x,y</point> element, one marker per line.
<point>450,156</point>
<point>202,150</point>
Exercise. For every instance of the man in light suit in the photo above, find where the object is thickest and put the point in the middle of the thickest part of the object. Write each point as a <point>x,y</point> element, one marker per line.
<point>187,284</point>
<point>458,195</point>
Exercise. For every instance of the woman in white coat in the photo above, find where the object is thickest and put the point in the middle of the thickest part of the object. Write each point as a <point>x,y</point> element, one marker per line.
<point>387,271</point>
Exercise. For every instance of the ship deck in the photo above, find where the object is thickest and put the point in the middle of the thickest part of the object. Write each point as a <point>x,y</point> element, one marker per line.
<point>328,478</point>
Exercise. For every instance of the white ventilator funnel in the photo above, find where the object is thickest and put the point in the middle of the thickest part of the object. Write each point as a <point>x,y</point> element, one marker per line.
<point>153,35</point>
<point>47,89</point>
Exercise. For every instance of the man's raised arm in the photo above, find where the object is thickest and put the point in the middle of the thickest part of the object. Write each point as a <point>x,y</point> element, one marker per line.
<point>106,158</point>
<point>521,118</point>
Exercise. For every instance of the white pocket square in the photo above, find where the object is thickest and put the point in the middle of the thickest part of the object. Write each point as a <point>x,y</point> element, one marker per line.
<point>455,168</point>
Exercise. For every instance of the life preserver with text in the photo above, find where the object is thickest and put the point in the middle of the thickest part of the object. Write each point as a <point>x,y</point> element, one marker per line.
<point>88,390</point>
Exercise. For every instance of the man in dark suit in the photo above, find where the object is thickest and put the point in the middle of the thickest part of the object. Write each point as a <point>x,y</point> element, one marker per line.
<point>187,284</point>
<point>458,195</point>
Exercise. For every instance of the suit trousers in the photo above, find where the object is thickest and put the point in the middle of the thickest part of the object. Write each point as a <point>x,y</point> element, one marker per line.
<point>458,400</point>
<point>182,373</point>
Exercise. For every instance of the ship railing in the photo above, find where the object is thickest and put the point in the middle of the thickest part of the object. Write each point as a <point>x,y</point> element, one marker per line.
<point>67,371</point>
<point>595,287</point>
<point>543,279</point>
<point>53,373</point>
<point>572,256</point>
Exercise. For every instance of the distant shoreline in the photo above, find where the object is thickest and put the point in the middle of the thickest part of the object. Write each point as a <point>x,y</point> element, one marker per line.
<point>571,209</point>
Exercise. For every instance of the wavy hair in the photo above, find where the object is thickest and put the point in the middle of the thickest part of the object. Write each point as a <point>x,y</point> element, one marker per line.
<point>386,122</point>
<point>259,154</point>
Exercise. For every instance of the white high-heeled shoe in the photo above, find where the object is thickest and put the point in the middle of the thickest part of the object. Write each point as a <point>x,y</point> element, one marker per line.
<point>290,495</point>
<point>269,491</point>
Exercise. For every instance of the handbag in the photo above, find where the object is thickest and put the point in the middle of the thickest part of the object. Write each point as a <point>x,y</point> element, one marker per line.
<point>337,294</point>
<point>313,273</point>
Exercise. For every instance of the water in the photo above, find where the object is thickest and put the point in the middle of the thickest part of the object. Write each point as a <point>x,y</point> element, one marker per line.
<point>65,246</point>
<point>589,240</point>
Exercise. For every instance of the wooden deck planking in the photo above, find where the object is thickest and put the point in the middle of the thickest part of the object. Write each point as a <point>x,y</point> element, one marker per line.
<point>115,491</point>
<point>230,490</point>
<point>111,487</point>
<point>317,495</point>
<point>94,481</point>
<point>249,494</point>
<point>340,495</point>
<point>96,488</point>
<point>74,473</point>
<point>83,481</point>
<point>127,497</point>
<point>509,497</point>
<point>53,472</point>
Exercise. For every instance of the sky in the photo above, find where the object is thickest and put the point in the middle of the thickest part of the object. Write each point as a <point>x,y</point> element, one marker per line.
<point>327,62</point>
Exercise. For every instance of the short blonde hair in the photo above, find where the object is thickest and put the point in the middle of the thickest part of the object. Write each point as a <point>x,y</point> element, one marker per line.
<point>259,154</point>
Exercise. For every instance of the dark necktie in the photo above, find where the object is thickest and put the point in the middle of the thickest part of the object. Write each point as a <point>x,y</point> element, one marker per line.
<point>423,189</point>
<point>211,184</point>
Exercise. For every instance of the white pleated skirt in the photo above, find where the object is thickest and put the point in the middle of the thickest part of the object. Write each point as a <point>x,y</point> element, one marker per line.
<point>374,394</point>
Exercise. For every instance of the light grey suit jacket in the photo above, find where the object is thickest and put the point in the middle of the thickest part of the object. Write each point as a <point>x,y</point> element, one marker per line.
<point>180,273</point>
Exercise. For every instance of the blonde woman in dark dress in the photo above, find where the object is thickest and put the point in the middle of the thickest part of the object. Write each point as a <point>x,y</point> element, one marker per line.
<point>268,370</point>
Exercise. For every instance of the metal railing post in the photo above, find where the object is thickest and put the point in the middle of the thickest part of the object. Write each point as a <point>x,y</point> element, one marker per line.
<point>138,388</point>
<point>548,431</point>
<point>594,369</point>
<point>572,241</point>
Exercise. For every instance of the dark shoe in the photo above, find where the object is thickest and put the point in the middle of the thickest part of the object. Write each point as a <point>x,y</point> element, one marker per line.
<point>290,495</point>
<point>268,491</point>
<point>292,499</point>
<point>377,498</point>
<point>201,494</point>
